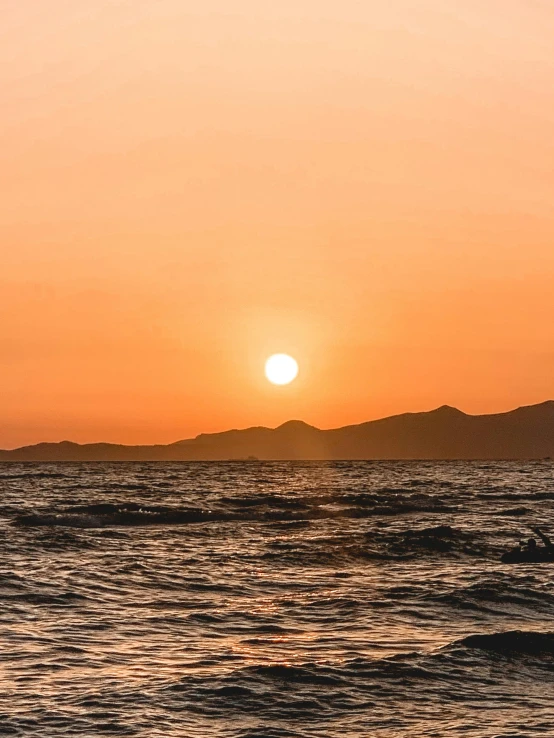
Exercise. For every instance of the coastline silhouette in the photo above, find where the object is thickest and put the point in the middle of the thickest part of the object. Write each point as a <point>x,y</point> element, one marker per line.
<point>444,433</point>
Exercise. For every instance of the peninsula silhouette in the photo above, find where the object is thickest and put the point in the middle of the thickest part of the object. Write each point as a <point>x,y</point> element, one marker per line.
<point>444,433</point>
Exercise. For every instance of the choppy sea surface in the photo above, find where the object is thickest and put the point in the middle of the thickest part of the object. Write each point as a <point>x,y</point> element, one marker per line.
<point>252,599</point>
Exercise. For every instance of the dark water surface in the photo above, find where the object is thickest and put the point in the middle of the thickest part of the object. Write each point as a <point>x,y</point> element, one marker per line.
<point>274,599</point>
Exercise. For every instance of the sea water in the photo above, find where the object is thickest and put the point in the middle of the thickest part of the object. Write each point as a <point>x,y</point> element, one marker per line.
<point>259,599</point>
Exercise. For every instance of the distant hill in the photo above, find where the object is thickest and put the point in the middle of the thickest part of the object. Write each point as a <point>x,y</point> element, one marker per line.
<point>444,433</point>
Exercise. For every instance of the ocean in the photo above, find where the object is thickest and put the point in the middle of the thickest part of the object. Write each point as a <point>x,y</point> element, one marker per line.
<point>275,600</point>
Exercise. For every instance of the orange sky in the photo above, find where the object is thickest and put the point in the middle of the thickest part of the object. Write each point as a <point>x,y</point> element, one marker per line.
<point>189,187</point>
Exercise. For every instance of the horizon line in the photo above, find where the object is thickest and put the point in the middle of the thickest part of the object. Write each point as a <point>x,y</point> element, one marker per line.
<point>281,425</point>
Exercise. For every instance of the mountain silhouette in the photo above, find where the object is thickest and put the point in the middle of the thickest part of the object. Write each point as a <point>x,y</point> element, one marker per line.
<point>444,433</point>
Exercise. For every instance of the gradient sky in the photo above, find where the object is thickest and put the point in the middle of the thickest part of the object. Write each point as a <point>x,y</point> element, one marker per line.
<point>190,187</point>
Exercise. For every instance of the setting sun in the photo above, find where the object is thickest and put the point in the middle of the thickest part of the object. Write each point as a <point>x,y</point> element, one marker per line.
<point>281,369</point>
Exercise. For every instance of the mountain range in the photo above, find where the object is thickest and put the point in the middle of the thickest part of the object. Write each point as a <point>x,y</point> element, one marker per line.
<point>444,433</point>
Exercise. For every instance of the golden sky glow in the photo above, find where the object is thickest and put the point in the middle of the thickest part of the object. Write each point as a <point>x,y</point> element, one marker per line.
<point>191,187</point>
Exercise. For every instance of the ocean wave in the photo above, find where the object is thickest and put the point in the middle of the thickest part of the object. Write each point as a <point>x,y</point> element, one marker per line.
<point>512,512</point>
<point>126,514</point>
<point>362,673</point>
<point>266,500</point>
<point>441,539</point>
<point>30,475</point>
<point>63,599</point>
<point>266,508</point>
<point>272,731</point>
<point>531,643</point>
<point>307,691</point>
<point>497,596</point>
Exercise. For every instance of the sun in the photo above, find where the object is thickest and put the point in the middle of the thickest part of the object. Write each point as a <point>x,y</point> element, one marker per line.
<point>281,369</point>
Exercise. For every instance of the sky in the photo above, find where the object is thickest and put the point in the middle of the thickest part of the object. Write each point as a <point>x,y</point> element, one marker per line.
<point>191,187</point>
